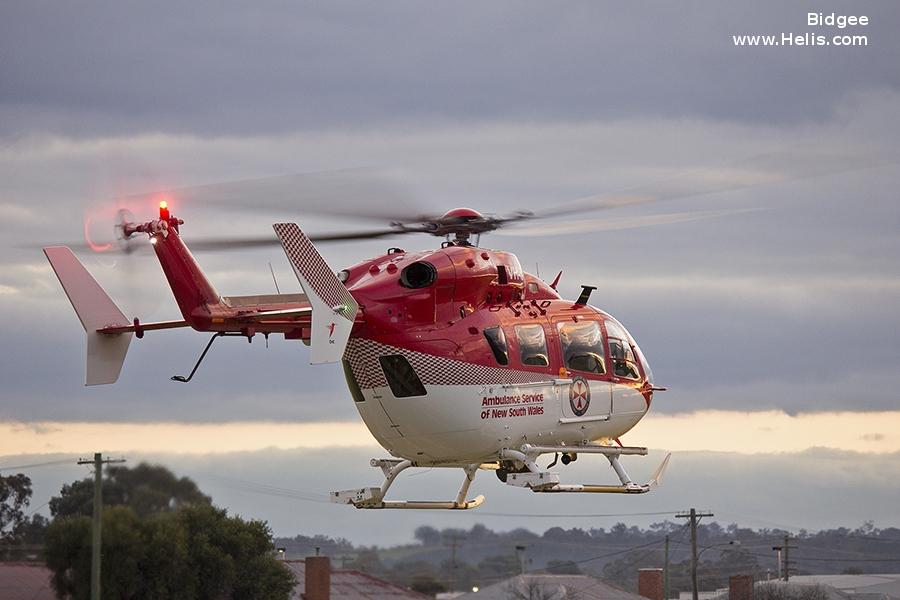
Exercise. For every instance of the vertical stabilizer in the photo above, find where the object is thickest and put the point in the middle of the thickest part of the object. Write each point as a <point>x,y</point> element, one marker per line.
<point>333,308</point>
<point>105,352</point>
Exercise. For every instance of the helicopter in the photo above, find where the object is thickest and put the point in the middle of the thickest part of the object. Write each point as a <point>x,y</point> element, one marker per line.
<point>454,357</point>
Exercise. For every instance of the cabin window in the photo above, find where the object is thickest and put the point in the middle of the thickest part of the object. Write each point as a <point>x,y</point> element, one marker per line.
<point>620,352</point>
<point>400,376</point>
<point>582,346</point>
<point>497,341</point>
<point>648,372</point>
<point>532,345</point>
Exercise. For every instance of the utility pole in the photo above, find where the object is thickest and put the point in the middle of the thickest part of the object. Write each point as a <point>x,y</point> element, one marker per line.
<point>454,542</point>
<point>787,557</point>
<point>97,538</point>
<point>666,570</point>
<point>694,516</point>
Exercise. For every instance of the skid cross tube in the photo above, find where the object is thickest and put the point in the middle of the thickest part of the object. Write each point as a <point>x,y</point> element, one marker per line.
<point>373,498</point>
<point>545,481</point>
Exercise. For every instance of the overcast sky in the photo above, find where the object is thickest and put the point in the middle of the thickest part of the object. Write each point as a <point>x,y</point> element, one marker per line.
<point>780,296</point>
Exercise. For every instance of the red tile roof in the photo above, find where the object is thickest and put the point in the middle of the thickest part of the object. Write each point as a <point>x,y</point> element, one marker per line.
<point>354,585</point>
<point>25,581</point>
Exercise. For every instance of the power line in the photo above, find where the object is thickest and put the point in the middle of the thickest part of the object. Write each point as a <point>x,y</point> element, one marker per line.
<point>575,515</point>
<point>836,559</point>
<point>268,490</point>
<point>66,461</point>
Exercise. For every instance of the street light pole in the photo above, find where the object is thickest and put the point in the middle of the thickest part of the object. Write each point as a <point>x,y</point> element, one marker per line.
<point>519,551</point>
<point>777,550</point>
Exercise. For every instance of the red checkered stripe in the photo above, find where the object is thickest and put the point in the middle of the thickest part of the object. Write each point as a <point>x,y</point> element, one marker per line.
<point>362,355</point>
<point>307,260</point>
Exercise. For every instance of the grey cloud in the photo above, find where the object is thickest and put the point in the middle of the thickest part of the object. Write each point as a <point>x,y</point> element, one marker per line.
<point>794,307</point>
<point>210,69</point>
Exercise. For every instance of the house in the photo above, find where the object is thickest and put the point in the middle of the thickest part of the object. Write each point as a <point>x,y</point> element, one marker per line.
<point>25,581</point>
<point>317,581</point>
<point>857,587</point>
<point>540,586</point>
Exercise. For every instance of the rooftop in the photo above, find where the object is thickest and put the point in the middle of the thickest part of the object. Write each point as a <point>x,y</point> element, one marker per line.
<point>353,585</point>
<point>25,581</point>
<point>551,587</point>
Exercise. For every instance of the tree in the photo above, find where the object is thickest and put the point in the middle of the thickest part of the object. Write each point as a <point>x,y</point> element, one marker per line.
<point>563,567</point>
<point>194,552</point>
<point>20,534</point>
<point>427,585</point>
<point>15,493</point>
<point>146,488</point>
<point>368,561</point>
<point>427,535</point>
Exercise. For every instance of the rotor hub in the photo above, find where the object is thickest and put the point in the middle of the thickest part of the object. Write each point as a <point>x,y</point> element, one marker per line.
<point>462,214</point>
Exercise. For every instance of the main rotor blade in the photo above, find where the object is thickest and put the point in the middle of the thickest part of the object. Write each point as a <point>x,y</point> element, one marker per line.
<point>362,193</point>
<point>233,243</point>
<point>773,167</point>
<point>551,228</point>
<point>212,245</point>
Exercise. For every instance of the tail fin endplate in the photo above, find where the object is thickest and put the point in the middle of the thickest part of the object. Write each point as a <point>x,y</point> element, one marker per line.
<point>333,308</point>
<point>105,352</point>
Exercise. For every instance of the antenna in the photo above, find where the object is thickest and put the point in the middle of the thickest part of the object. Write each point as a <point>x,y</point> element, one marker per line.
<point>585,294</point>
<point>272,271</point>
<point>556,280</point>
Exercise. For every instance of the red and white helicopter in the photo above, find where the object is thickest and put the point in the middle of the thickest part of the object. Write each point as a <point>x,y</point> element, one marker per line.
<point>454,357</point>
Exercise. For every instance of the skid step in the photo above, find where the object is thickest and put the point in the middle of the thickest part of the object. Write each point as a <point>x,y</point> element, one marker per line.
<point>537,480</point>
<point>586,449</point>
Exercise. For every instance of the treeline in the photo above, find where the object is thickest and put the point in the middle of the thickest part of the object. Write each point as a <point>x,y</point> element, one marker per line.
<point>459,559</point>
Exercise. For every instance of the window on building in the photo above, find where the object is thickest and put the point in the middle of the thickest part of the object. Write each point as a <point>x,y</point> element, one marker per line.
<point>532,345</point>
<point>582,345</point>
<point>620,351</point>
<point>497,341</point>
<point>400,376</point>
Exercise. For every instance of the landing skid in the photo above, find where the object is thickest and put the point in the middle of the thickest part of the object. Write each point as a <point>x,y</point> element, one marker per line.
<point>537,480</point>
<point>531,476</point>
<point>373,497</point>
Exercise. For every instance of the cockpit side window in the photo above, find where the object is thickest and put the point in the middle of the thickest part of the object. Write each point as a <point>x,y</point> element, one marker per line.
<point>582,345</point>
<point>620,352</point>
<point>497,341</point>
<point>532,345</point>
